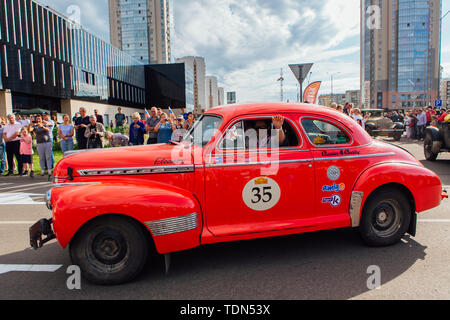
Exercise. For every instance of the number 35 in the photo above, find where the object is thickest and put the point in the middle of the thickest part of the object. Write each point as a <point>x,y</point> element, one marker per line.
<point>265,197</point>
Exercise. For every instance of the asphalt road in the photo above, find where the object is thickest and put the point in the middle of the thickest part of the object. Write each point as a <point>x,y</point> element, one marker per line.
<point>323,265</point>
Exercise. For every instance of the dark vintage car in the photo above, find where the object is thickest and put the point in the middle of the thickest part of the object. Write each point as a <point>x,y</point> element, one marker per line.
<point>437,140</point>
<point>380,125</point>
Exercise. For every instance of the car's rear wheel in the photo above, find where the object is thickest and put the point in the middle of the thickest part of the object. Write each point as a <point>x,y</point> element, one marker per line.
<point>428,149</point>
<point>111,250</point>
<point>386,218</point>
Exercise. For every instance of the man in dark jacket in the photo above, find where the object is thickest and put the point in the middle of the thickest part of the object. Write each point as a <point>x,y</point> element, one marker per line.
<point>80,127</point>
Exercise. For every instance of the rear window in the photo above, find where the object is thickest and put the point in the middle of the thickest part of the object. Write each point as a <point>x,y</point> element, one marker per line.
<point>322,133</point>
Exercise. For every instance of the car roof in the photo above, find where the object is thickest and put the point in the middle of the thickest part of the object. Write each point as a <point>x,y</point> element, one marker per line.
<point>230,112</point>
<point>234,110</point>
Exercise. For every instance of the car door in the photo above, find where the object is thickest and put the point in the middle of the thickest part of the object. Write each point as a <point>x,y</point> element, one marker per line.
<point>253,190</point>
<point>337,165</point>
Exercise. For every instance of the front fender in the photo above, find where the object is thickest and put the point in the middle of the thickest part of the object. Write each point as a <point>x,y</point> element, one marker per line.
<point>424,186</point>
<point>173,216</point>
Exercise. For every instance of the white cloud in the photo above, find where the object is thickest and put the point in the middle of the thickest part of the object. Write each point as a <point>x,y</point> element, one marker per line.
<point>246,43</point>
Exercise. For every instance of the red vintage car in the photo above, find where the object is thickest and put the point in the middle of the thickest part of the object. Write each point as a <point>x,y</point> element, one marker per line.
<point>243,172</point>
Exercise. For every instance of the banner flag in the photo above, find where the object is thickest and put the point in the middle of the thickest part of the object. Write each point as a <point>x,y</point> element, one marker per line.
<point>311,92</point>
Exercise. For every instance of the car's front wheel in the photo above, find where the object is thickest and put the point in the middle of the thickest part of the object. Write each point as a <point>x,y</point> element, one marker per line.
<point>110,250</point>
<point>386,218</point>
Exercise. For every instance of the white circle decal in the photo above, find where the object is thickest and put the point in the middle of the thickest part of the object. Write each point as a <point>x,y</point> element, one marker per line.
<point>261,194</point>
<point>333,173</point>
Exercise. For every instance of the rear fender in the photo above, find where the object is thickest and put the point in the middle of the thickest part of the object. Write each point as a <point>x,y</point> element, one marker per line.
<point>171,215</point>
<point>423,186</point>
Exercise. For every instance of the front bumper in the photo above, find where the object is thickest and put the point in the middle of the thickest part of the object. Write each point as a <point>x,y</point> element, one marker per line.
<point>41,228</point>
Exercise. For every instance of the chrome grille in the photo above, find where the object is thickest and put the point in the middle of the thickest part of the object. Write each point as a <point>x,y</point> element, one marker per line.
<point>173,225</point>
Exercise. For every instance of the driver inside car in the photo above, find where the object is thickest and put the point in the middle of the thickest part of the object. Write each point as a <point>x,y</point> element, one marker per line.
<point>264,133</point>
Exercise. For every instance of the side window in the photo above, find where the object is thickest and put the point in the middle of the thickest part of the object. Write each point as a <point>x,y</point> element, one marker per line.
<point>234,137</point>
<point>322,133</point>
<point>257,133</point>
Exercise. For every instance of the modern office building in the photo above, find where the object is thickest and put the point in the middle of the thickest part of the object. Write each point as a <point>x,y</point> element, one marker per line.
<point>198,66</point>
<point>142,28</point>
<point>170,85</point>
<point>400,52</point>
<point>327,100</point>
<point>231,97</point>
<point>353,97</point>
<point>212,92</point>
<point>445,92</point>
<point>51,63</point>
<point>221,96</point>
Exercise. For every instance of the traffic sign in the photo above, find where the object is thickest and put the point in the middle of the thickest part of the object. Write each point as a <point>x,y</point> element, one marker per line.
<point>438,103</point>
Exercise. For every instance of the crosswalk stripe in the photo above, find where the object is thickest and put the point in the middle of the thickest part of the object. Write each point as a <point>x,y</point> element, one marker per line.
<point>5,268</point>
<point>28,185</point>
<point>5,223</point>
<point>19,199</point>
<point>23,189</point>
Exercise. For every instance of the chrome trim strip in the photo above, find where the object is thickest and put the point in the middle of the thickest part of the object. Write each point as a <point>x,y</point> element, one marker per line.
<point>299,160</point>
<point>169,226</point>
<point>135,171</point>
<point>74,184</point>
<point>263,163</point>
<point>355,208</point>
<point>356,157</point>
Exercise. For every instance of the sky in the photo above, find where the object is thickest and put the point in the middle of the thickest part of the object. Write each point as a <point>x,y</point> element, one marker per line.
<point>247,43</point>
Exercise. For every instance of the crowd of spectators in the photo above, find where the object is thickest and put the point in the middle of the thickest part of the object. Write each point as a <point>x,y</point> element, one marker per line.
<point>415,121</point>
<point>21,136</point>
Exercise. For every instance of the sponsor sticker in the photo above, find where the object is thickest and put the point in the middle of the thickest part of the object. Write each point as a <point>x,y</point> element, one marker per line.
<point>261,194</point>
<point>333,173</point>
<point>334,188</point>
<point>335,200</point>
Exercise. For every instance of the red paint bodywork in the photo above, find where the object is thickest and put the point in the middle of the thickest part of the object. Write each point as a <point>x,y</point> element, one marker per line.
<point>214,192</point>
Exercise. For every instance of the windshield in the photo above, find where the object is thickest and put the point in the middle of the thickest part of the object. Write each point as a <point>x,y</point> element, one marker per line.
<point>204,130</point>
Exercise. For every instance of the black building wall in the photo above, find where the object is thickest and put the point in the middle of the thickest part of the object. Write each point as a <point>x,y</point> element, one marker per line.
<point>166,85</point>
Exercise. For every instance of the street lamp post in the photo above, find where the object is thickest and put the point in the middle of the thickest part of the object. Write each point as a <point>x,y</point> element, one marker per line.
<point>331,75</point>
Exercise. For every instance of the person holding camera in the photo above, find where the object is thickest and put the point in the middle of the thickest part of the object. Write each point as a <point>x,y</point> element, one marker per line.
<point>95,131</point>
<point>44,145</point>
<point>11,136</point>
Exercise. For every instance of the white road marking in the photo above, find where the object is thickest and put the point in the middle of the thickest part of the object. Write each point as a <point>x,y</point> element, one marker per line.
<point>5,223</point>
<point>5,268</point>
<point>435,220</point>
<point>19,199</point>
<point>27,186</point>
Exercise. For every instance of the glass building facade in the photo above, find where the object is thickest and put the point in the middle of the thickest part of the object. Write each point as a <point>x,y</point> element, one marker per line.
<point>135,31</point>
<point>400,53</point>
<point>43,54</point>
<point>413,39</point>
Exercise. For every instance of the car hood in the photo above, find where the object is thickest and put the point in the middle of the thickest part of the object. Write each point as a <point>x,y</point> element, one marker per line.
<point>125,161</point>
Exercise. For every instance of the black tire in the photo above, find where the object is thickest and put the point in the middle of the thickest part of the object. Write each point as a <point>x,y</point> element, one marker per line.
<point>428,148</point>
<point>386,218</point>
<point>398,136</point>
<point>111,250</point>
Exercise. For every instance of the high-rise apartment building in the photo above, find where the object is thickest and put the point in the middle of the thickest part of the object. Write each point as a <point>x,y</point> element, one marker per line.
<point>142,28</point>
<point>445,92</point>
<point>212,92</point>
<point>221,96</point>
<point>400,52</point>
<point>198,67</point>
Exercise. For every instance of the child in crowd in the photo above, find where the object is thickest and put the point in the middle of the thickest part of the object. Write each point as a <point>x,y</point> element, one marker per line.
<point>26,151</point>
